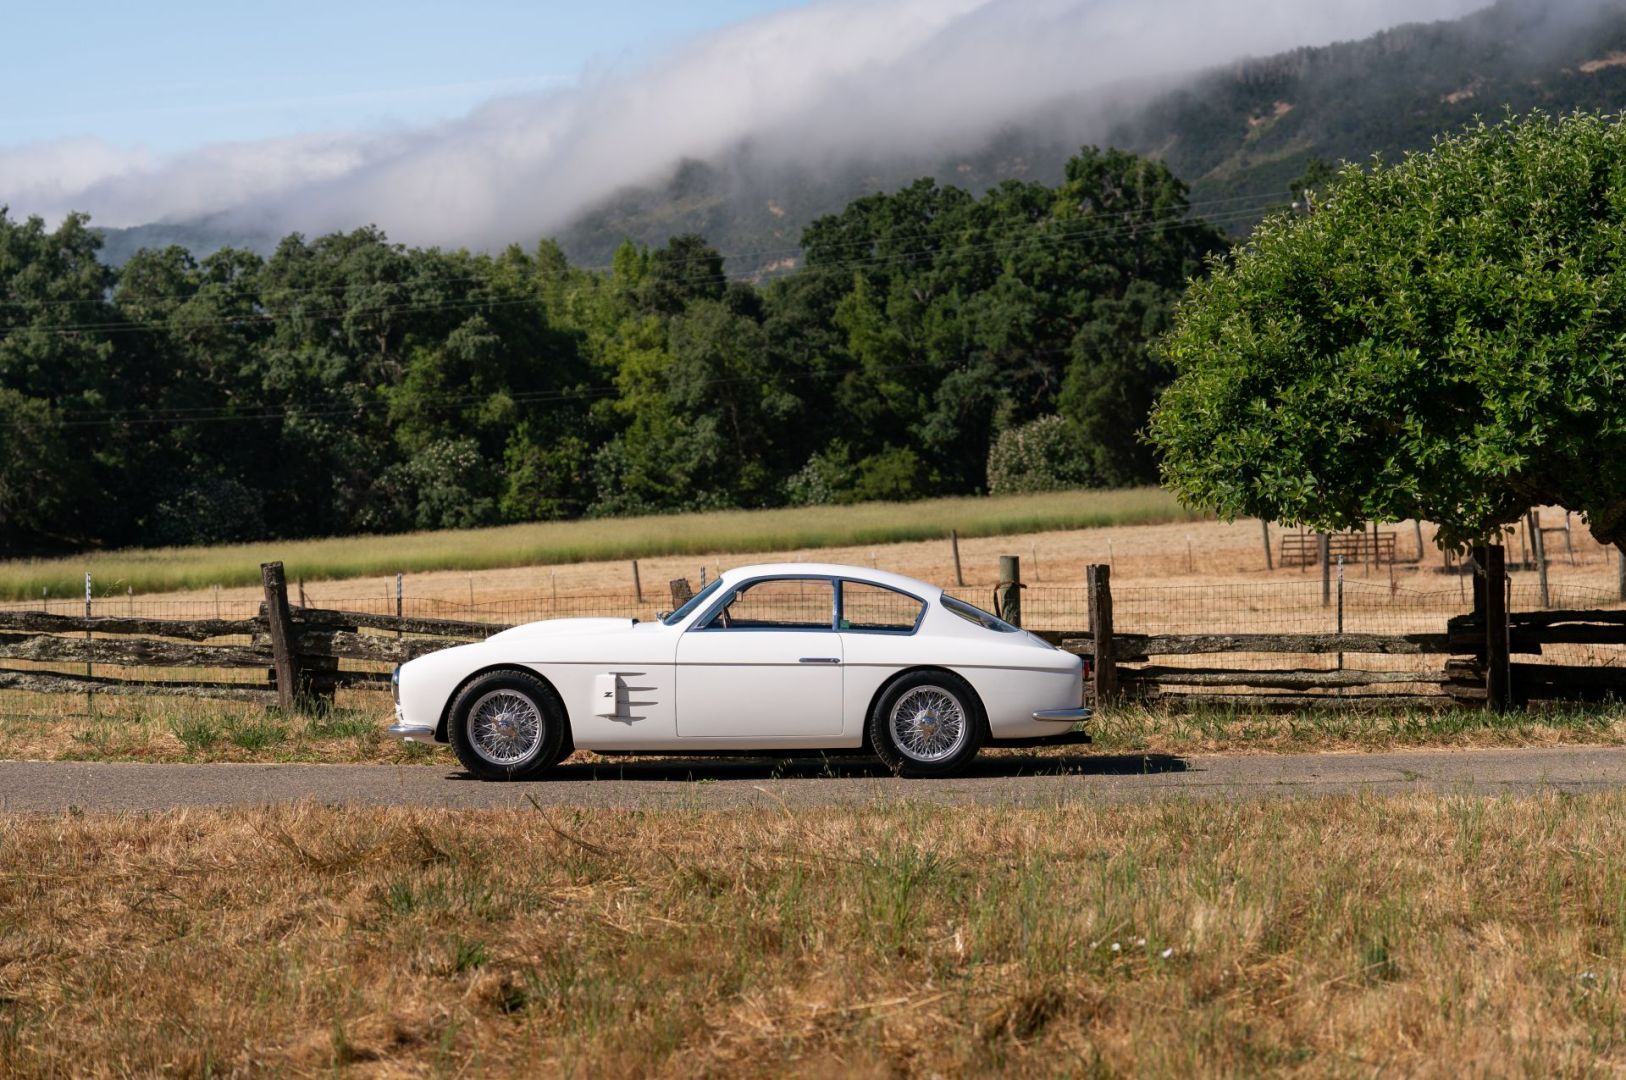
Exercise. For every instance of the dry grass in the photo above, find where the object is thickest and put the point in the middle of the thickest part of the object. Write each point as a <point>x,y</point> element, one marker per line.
<point>38,727</point>
<point>55,728</point>
<point>1236,729</point>
<point>554,543</point>
<point>1424,935</point>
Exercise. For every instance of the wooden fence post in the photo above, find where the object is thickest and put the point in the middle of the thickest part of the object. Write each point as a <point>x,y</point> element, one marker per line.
<point>1106,665</point>
<point>637,585</point>
<point>1264,527</point>
<point>954,545</point>
<point>1010,589</point>
<point>1497,671</point>
<point>284,661</point>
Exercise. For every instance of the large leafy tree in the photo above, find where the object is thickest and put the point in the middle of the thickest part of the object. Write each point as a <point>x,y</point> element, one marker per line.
<point>1444,338</point>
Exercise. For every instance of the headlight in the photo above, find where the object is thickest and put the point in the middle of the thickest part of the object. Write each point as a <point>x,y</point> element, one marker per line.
<point>395,685</point>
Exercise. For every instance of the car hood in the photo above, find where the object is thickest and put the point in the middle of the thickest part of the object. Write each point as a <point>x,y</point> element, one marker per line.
<point>551,628</point>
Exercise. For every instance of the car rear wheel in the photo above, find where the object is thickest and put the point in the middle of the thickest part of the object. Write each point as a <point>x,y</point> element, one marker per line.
<point>928,723</point>
<point>508,725</point>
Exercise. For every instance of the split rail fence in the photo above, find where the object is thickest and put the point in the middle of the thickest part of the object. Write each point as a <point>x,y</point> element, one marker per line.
<point>296,657</point>
<point>1471,660</point>
<point>298,649</point>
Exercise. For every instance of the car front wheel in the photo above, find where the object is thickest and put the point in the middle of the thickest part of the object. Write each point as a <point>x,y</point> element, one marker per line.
<point>928,723</point>
<point>508,725</point>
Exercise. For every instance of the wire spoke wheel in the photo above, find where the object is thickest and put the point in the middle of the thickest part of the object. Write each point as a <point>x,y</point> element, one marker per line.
<point>929,724</point>
<point>505,727</point>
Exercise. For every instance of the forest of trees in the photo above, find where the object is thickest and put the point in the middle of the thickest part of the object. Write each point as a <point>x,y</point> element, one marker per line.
<point>932,342</point>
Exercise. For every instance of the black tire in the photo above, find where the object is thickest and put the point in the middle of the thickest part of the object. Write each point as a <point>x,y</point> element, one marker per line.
<point>514,689</point>
<point>906,761</point>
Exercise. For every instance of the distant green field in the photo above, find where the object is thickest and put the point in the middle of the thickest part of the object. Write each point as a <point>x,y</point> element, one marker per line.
<point>719,532</point>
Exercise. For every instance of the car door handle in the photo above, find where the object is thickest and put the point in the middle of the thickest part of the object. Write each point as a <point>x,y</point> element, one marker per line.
<point>820,660</point>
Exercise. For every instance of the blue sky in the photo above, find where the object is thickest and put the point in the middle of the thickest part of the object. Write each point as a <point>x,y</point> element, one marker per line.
<point>173,74</point>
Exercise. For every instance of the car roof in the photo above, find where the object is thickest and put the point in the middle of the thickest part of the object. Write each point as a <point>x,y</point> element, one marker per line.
<point>922,589</point>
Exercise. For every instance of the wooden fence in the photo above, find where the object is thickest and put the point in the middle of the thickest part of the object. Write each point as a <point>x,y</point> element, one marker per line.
<point>297,653</point>
<point>1471,660</point>
<point>298,649</point>
<point>1138,666</point>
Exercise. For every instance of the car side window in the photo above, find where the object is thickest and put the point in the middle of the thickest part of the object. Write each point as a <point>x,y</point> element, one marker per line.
<point>875,608</point>
<point>779,604</point>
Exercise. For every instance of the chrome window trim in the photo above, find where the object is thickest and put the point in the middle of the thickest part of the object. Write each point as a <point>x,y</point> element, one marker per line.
<point>919,618</point>
<point>705,621</point>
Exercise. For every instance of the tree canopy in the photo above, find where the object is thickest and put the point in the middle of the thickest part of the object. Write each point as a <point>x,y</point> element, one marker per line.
<point>345,383</point>
<point>1444,339</point>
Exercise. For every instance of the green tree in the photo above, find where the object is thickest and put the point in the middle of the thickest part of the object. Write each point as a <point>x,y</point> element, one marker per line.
<point>55,359</point>
<point>38,473</point>
<point>685,270</point>
<point>545,480</point>
<point>1442,339</point>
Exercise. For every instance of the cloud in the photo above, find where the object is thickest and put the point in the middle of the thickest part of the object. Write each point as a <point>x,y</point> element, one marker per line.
<point>831,79</point>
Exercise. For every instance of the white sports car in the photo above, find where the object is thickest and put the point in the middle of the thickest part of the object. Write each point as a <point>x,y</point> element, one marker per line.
<point>789,658</point>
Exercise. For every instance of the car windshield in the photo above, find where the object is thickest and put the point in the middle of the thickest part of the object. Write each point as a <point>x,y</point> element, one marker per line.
<point>694,601</point>
<point>971,613</point>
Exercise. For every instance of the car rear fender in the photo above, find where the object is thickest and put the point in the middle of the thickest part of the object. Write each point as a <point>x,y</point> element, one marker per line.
<point>880,692</point>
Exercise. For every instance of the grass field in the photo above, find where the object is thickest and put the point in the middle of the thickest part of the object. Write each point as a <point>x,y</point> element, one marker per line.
<point>1429,936</point>
<point>723,532</point>
<point>183,730</point>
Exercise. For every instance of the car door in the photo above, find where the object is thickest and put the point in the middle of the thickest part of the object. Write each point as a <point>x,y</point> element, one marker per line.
<point>765,663</point>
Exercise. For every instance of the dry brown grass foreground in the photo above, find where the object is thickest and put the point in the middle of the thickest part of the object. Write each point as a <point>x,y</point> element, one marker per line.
<point>1425,935</point>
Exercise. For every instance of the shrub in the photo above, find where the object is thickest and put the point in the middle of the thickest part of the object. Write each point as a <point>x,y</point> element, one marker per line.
<point>216,510</point>
<point>1044,455</point>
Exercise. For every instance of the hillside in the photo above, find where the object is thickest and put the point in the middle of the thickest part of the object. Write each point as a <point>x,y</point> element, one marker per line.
<point>1252,129</point>
<point>1243,133</point>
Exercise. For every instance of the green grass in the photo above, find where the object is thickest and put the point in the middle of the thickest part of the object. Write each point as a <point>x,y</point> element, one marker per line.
<point>257,734</point>
<point>555,543</point>
<point>196,732</point>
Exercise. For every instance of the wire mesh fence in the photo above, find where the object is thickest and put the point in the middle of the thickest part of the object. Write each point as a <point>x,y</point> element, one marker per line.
<point>1302,605</point>
<point>1281,607</point>
<point>1295,607</point>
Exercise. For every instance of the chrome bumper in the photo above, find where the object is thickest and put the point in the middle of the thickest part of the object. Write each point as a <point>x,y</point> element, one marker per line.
<point>411,732</point>
<point>1064,716</point>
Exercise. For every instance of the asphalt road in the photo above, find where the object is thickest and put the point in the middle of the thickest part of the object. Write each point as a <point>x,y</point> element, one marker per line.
<point>704,784</point>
